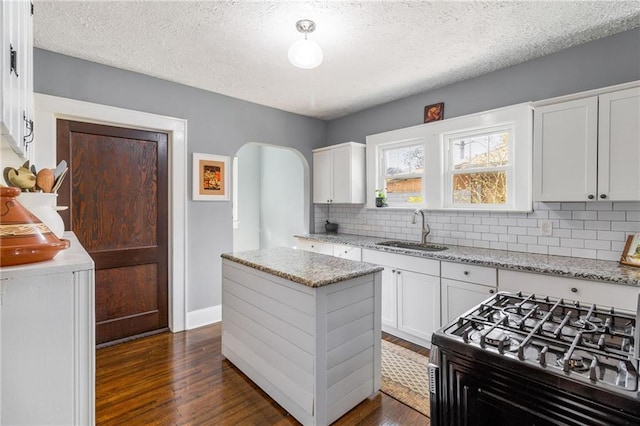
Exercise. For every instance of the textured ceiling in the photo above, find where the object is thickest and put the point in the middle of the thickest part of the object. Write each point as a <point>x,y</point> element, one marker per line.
<point>374,52</point>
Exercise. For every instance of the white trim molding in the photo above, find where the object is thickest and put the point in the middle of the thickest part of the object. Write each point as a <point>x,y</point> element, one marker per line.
<point>49,108</point>
<point>205,316</point>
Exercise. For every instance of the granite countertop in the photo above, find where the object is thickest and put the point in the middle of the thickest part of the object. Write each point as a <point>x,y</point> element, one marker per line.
<point>570,267</point>
<point>303,267</point>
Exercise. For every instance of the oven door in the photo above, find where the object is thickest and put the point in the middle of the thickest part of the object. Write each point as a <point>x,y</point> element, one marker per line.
<point>470,392</point>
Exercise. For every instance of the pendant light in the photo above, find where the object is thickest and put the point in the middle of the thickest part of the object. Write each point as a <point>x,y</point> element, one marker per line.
<point>305,53</point>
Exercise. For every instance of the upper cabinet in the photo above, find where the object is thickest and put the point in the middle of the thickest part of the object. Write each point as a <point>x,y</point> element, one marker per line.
<point>16,73</point>
<point>588,149</point>
<point>338,174</point>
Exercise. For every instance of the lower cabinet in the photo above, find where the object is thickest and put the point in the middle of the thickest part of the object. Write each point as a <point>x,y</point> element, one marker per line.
<point>465,286</point>
<point>624,297</point>
<point>410,295</point>
<point>47,341</point>
<point>315,246</point>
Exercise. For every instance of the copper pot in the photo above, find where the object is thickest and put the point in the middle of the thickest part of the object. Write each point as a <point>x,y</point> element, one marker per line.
<point>23,237</point>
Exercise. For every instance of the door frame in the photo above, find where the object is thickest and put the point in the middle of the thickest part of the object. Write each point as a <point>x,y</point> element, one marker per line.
<point>49,108</point>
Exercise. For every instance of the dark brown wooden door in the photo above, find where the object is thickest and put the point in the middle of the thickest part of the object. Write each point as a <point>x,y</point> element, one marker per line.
<point>117,192</point>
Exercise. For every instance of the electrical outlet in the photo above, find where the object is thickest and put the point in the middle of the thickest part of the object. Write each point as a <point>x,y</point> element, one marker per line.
<point>546,228</point>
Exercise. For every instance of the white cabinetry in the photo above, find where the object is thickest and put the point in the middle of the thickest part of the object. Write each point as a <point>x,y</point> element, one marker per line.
<point>338,174</point>
<point>314,246</point>
<point>589,148</point>
<point>337,250</point>
<point>16,73</point>
<point>47,361</point>
<point>347,252</point>
<point>465,286</point>
<point>603,294</point>
<point>410,295</point>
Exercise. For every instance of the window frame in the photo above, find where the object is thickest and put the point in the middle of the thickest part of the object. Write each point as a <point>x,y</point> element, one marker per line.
<point>381,179</point>
<point>435,193</point>
<point>448,171</point>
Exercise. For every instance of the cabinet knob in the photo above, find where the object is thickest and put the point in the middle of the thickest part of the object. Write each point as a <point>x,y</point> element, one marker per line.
<point>393,271</point>
<point>590,196</point>
<point>603,196</point>
<point>466,272</point>
<point>574,290</point>
<point>398,272</point>
<point>492,291</point>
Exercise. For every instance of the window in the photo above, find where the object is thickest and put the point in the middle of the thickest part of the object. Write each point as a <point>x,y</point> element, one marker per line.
<point>478,169</point>
<point>402,171</point>
<point>475,162</point>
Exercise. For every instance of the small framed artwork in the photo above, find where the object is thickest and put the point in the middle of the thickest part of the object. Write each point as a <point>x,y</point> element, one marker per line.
<point>210,177</point>
<point>631,253</point>
<point>434,112</point>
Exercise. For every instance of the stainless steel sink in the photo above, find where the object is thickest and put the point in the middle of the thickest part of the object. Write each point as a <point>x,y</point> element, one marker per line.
<point>412,246</point>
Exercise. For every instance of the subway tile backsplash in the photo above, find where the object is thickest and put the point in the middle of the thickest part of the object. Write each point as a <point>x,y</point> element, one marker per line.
<point>588,230</point>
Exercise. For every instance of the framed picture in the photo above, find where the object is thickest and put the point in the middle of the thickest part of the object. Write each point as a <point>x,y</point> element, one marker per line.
<point>631,253</point>
<point>434,112</point>
<point>210,177</point>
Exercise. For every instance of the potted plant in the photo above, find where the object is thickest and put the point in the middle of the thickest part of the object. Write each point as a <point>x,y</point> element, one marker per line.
<point>381,198</point>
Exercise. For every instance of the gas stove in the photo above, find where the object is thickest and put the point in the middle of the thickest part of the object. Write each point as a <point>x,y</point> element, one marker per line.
<point>584,354</point>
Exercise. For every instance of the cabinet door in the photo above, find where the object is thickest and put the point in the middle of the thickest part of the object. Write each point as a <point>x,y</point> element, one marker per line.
<point>341,184</point>
<point>322,177</point>
<point>389,298</point>
<point>418,303</point>
<point>619,146</point>
<point>565,151</point>
<point>458,297</point>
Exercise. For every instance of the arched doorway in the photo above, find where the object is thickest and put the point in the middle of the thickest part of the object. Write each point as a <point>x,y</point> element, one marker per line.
<point>271,196</point>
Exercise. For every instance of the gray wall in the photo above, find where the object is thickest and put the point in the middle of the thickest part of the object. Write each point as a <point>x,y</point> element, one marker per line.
<point>217,124</point>
<point>604,62</point>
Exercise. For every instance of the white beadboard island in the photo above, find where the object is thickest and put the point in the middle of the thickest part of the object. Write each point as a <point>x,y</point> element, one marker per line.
<point>305,327</point>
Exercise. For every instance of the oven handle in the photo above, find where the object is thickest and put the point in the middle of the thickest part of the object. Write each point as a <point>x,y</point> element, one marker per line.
<point>636,337</point>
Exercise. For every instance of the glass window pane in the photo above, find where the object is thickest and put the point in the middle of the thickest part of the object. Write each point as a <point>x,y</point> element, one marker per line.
<point>403,169</point>
<point>480,188</point>
<point>475,152</point>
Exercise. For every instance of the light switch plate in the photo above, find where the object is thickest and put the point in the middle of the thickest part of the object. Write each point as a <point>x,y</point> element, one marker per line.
<point>546,228</point>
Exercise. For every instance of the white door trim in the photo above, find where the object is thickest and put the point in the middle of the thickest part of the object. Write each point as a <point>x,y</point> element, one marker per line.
<point>49,108</point>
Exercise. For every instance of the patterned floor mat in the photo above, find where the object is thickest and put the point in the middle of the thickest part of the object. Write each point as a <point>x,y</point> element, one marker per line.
<point>405,376</point>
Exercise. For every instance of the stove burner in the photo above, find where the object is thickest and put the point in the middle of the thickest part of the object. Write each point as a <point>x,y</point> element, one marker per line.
<point>573,363</point>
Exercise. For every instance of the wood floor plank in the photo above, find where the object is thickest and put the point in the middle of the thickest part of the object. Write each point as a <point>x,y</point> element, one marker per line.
<point>183,379</point>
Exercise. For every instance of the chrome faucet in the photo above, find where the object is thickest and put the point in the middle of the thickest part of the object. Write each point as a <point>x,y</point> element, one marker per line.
<point>425,227</point>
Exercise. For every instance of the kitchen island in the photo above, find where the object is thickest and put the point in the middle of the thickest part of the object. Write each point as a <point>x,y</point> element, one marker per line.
<point>305,327</point>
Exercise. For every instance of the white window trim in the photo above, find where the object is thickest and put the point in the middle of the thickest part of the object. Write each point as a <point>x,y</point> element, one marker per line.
<point>381,179</point>
<point>448,172</point>
<point>432,135</point>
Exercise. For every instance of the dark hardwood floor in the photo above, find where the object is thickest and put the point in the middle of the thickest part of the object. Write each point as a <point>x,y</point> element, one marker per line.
<point>183,379</point>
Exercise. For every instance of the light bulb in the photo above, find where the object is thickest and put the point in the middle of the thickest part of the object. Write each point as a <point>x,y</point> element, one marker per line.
<point>305,54</point>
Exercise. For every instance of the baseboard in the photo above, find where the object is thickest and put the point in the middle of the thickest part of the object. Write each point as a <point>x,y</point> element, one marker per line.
<point>203,317</point>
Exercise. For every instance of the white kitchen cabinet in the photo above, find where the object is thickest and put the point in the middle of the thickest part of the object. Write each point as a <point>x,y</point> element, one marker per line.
<point>465,286</point>
<point>624,297</point>
<point>338,174</point>
<point>16,75</point>
<point>584,148</point>
<point>347,252</point>
<point>314,246</point>
<point>410,295</point>
<point>47,349</point>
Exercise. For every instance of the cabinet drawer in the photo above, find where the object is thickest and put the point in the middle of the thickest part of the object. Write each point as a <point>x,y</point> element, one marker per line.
<point>470,273</point>
<point>347,252</point>
<point>315,246</point>
<point>603,294</point>
<point>408,263</point>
